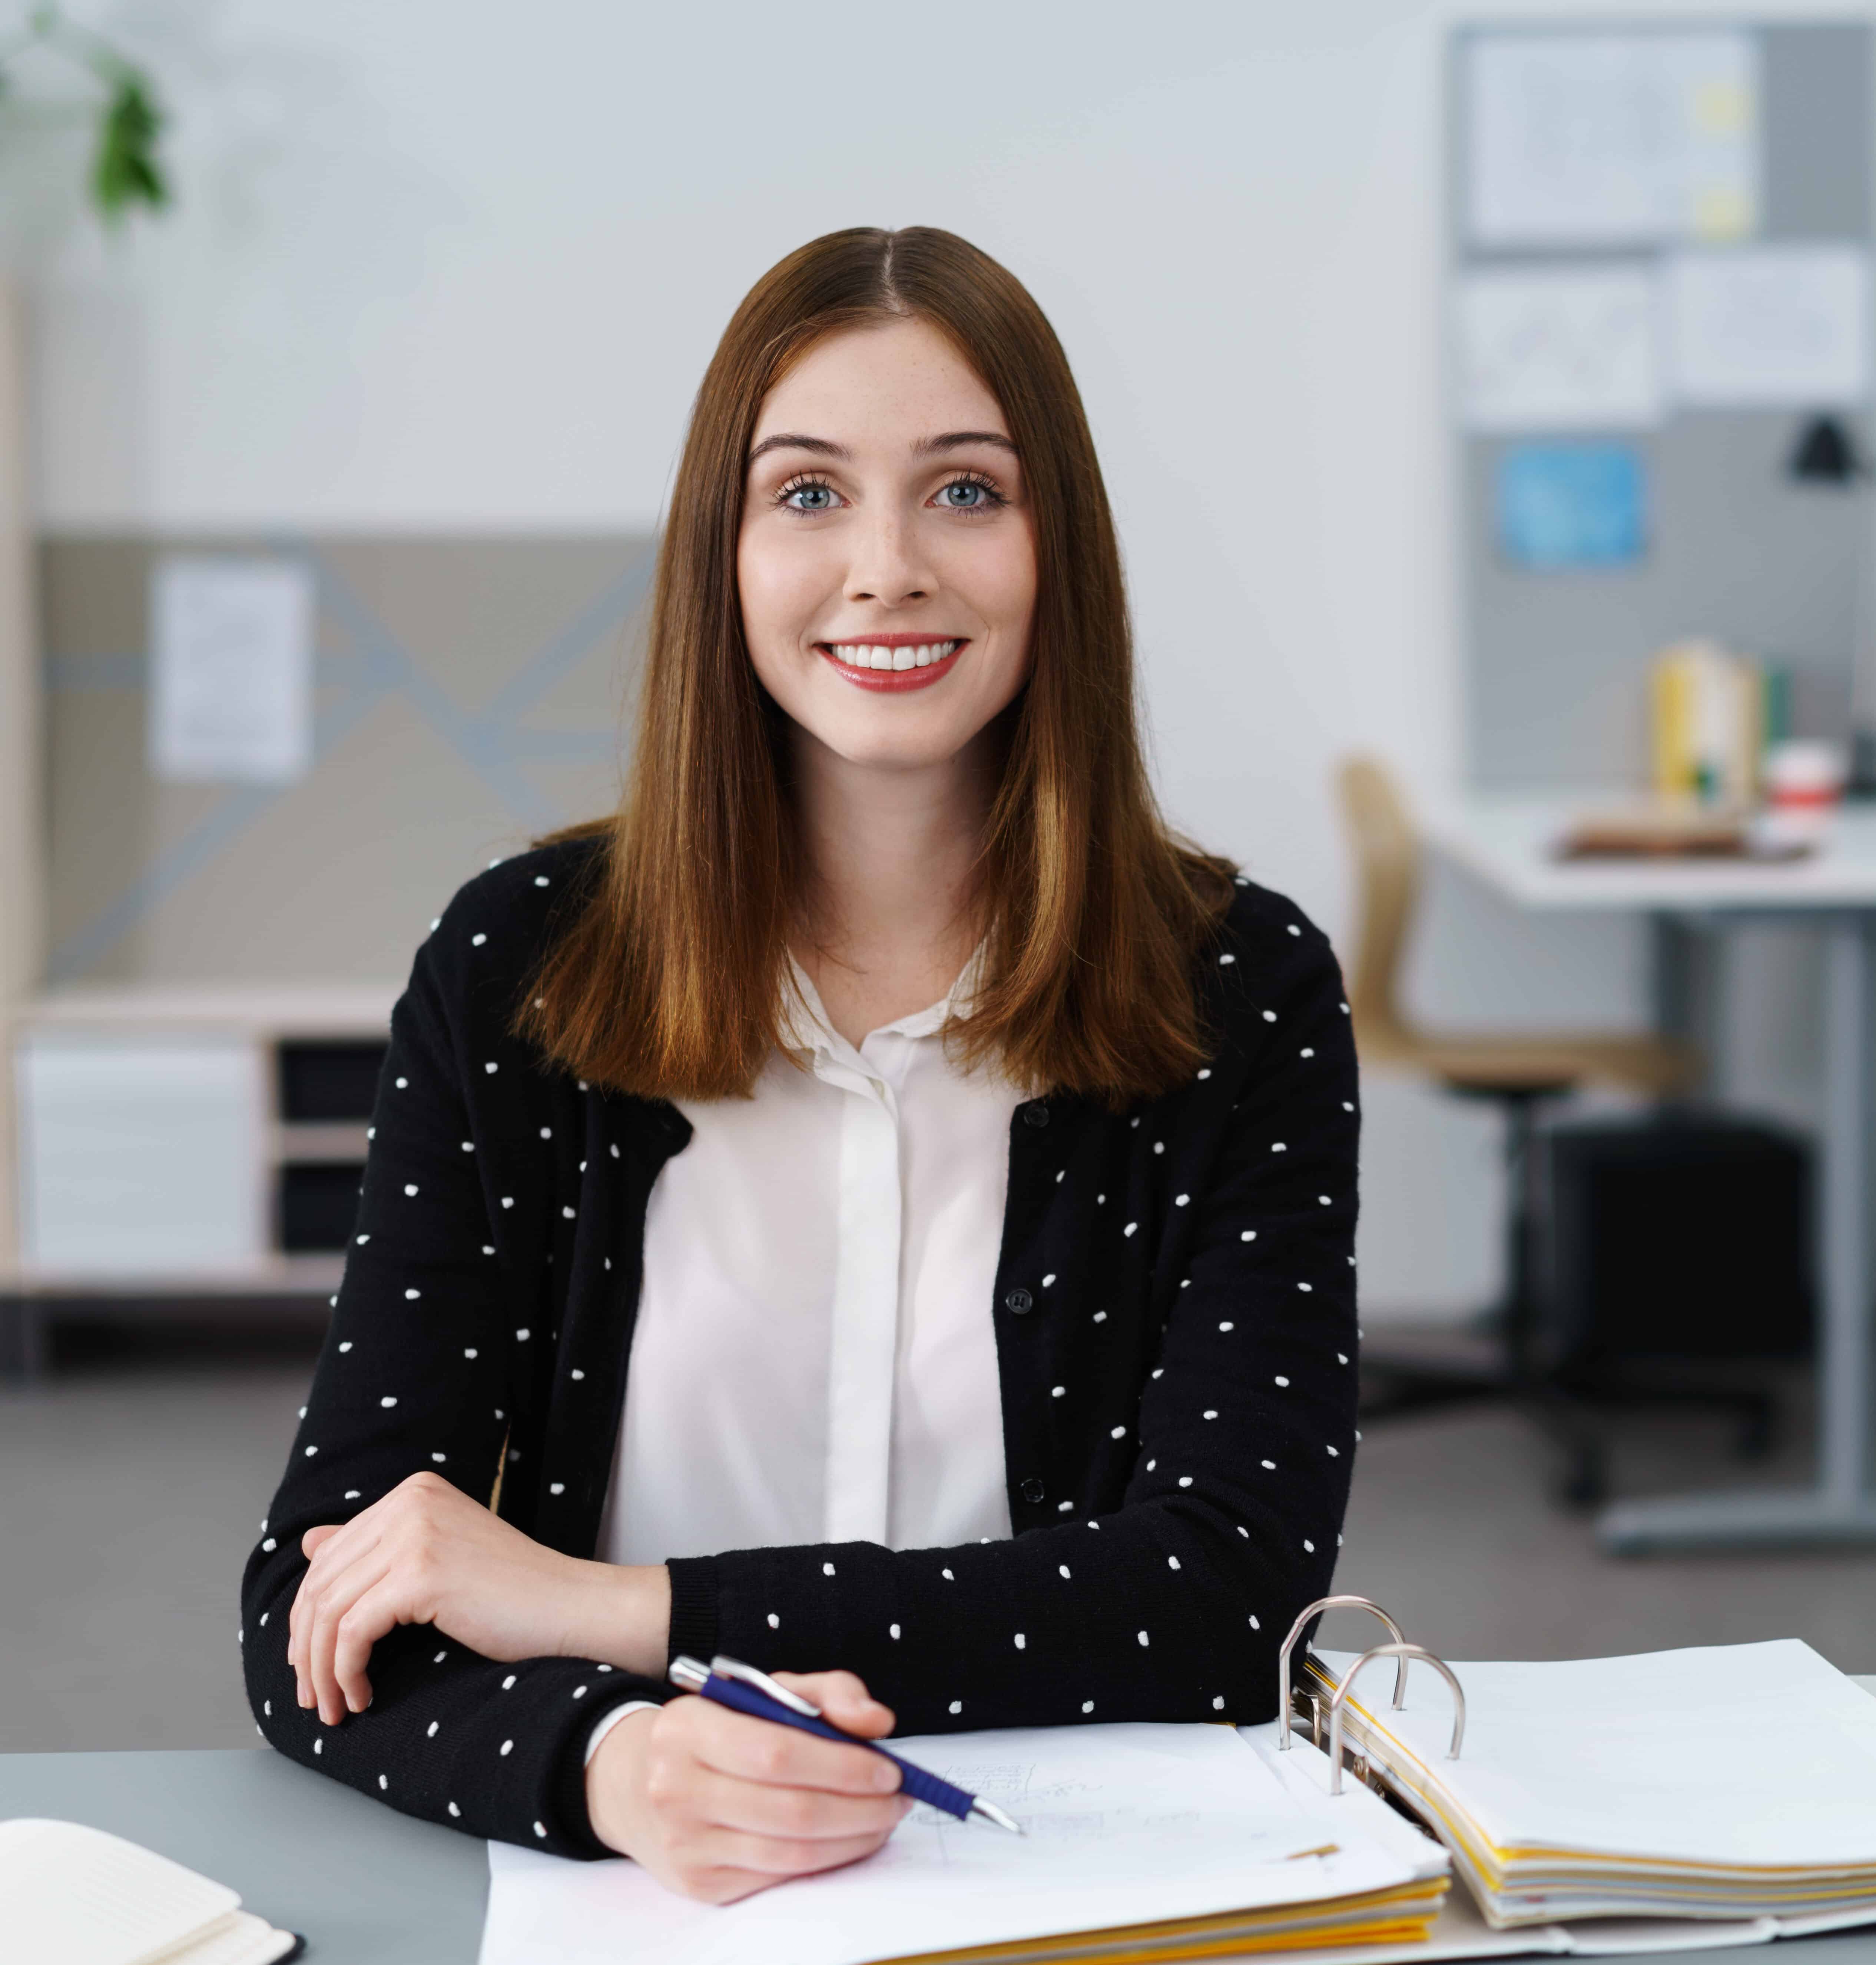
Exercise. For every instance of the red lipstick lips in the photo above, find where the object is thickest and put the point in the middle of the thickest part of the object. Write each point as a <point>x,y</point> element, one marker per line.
<point>893,680</point>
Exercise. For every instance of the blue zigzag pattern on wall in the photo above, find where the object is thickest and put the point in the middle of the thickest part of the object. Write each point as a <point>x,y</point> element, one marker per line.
<point>489,741</point>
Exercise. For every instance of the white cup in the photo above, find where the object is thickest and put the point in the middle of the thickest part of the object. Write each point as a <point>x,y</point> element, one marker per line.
<point>1803,779</point>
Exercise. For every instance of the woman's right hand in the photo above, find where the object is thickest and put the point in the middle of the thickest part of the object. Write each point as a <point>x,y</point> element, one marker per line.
<point>717,1805</point>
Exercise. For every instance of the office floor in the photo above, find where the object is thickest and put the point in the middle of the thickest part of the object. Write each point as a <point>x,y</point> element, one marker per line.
<point>132,1482</point>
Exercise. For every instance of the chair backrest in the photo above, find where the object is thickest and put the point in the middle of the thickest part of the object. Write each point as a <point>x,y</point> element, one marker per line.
<point>1387,872</point>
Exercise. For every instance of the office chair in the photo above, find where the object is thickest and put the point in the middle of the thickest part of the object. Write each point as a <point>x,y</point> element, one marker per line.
<point>1519,1073</point>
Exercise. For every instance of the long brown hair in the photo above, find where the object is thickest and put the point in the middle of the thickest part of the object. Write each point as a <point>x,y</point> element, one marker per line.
<point>668,980</point>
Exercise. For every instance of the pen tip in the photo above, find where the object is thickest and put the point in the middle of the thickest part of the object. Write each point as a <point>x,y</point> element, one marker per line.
<point>991,1812</point>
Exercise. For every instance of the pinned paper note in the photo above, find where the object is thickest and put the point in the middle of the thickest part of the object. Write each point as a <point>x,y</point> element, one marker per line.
<point>1769,326</point>
<point>1562,506</point>
<point>1555,348</point>
<point>1605,139</point>
<point>231,684</point>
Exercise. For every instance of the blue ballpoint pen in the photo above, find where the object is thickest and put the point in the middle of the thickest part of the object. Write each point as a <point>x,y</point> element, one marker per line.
<point>743,1689</point>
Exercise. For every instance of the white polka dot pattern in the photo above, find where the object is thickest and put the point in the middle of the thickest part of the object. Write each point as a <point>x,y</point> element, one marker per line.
<point>1180,1378</point>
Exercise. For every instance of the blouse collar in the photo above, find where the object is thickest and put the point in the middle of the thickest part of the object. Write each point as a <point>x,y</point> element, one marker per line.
<point>806,1027</point>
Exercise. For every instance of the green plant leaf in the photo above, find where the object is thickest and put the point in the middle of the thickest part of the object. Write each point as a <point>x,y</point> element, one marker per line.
<point>126,172</point>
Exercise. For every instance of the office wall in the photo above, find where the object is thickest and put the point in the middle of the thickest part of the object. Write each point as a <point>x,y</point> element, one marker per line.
<point>456,268</point>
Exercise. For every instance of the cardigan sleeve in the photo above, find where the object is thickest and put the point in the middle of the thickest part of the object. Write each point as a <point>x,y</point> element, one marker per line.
<point>429,1337</point>
<point>1172,1605</point>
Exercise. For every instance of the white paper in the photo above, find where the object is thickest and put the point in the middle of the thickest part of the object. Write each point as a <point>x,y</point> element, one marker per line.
<point>1761,1754</point>
<point>231,687</point>
<point>1769,327</point>
<point>1604,138</point>
<point>1127,1823</point>
<point>1559,349</point>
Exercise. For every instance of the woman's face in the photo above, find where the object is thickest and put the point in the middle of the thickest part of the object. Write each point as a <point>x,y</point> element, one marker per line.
<point>886,564</point>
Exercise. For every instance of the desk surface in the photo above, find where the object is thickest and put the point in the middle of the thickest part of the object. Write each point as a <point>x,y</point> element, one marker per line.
<point>365,1885</point>
<point>1507,841</point>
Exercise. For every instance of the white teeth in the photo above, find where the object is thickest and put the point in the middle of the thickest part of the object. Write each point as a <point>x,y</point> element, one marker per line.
<point>870,655</point>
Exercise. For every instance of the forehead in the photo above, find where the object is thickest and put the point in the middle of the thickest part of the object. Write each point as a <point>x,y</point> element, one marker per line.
<point>896,383</point>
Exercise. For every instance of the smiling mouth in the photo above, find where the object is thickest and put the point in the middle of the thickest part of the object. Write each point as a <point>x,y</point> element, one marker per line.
<point>896,662</point>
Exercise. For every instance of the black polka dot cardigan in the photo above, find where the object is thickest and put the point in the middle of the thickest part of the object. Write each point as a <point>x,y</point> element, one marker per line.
<point>1175,1329</point>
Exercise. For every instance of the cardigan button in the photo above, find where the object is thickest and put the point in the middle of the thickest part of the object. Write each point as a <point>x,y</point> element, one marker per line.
<point>1018,1302</point>
<point>1036,1113</point>
<point>1033,1490</point>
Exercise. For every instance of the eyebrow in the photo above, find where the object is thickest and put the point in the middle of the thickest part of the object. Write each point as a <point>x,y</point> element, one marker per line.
<point>791,440</point>
<point>957,439</point>
<point>821,446</point>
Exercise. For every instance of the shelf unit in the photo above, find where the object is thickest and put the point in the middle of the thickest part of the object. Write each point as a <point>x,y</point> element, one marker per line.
<point>257,1028</point>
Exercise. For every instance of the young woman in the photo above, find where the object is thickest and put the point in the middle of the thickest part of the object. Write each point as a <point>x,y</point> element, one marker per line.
<point>880,1207</point>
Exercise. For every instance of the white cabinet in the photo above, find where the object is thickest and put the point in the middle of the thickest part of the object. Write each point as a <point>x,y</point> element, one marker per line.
<point>141,1155</point>
<point>163,1149</point>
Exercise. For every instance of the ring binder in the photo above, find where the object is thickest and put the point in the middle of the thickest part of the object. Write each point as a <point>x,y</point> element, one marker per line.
<point>1680,1815</point>
<point>1321,1604</point>
<point>1403,1652</point>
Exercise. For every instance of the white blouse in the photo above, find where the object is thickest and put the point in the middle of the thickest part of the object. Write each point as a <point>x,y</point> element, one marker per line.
<point>813,1359</point>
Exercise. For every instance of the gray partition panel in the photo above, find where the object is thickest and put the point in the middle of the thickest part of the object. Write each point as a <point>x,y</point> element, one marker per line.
<point>1557,661</point>
<point>470,693</point>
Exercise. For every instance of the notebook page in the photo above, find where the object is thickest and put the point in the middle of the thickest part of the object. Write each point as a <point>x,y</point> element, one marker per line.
<point>243,1939</point>
<point>1119,1833</point>
<point>1762,1755</point>
<point>85,1898</point>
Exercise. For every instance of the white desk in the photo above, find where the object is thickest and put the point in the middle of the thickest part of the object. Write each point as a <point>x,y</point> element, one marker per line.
<point>1507,842</point>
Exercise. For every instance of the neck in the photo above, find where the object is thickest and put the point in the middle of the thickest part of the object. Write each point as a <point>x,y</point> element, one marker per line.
<point>889,855</point>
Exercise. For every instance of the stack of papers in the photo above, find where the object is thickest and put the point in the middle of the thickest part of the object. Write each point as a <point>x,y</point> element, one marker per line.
<point>1731,1782</point>
<point>1142,1843</point>
<point>82,1897</point>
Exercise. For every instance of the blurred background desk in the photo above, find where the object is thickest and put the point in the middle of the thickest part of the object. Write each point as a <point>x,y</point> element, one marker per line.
<point>1507,841</point>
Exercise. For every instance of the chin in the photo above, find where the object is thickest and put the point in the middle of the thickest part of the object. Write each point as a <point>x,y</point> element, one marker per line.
<point>891,741</point>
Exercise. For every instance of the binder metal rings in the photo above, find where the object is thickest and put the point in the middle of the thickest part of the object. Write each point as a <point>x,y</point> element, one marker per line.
<point>1296,1631</point>
<point>1403,1652</point>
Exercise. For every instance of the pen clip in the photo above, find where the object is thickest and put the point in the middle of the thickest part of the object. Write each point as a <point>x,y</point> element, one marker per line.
<point>688,1673</point>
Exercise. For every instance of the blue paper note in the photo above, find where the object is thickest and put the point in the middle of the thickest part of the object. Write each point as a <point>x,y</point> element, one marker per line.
<point>1562,505</point>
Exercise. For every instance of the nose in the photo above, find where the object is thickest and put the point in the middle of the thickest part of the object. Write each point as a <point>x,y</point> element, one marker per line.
<point>887,565</point>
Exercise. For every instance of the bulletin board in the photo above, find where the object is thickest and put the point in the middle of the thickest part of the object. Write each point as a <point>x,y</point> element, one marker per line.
<point>467,695</point>
<point>1658,283</point>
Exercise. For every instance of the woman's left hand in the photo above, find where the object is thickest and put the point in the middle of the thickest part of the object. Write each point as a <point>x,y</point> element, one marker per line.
<point>427,1554</point>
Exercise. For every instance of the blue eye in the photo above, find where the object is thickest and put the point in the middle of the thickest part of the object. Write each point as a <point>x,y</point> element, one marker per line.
<point>810,497</point>
<point>963,496</point>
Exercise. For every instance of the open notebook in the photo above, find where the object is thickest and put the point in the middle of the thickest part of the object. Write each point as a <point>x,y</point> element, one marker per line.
<point>81,1897</point>
<point>1734,1782</point>
<point>1143,1843</point>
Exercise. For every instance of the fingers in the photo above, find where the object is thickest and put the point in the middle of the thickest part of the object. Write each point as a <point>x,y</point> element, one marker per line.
<point>796,1815</point>
<point>758,1749</point>
<point>718,1834</point>
<point>370,1617</point>
<point>339,1544</point>
<point>330,1598</point>
<point>771,1857</point>
<point>844,1699</point>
